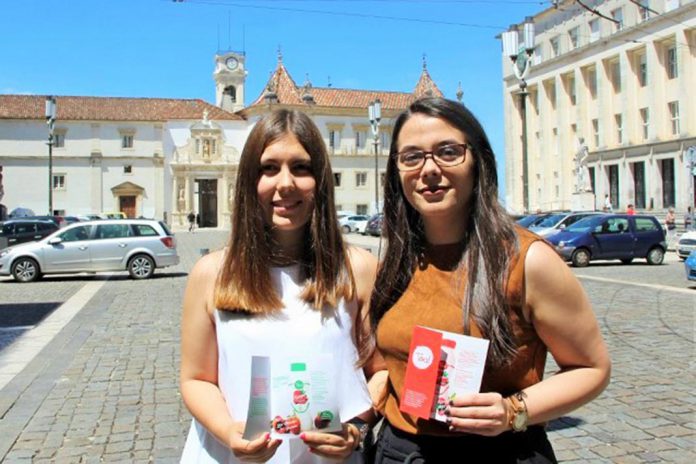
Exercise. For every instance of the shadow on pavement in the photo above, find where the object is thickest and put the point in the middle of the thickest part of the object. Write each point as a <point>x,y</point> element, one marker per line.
<point>94,277</point>
<point>564,422</point>
<point>25,314</point>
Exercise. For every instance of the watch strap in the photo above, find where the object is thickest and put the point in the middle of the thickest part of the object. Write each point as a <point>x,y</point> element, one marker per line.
<point>519,406</point>
<point>364,430</point>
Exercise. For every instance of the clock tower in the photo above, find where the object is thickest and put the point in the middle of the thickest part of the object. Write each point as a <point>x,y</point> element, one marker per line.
<point>229,76</point>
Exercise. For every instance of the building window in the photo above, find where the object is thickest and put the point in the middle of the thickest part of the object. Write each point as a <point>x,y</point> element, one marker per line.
<point>127,141</point>
<point>382,178</point>
<point>128,169</point>
<point>595,132</point>
<point>59,140</point>
<point>671,60</point>
<point>360,138</point>
<point>571,91</point>
<point>671,5</point>
<point>615,67</point>
<point>644,10</point>
<point>645,122</point>
<point>360,179</point>
<point>591,77</point>
<point>198,146</point>
<point>594,30</point>
<point>554,140</point>
<point>385,140</point>
<point>642,70</point>
<point>617,16</point>
<point>574,37</point>
<point>334,139</point>
<point>361,209</point>
<point>618,121</point>
<point>58,181</point>
<point>337,179</point>
<point>555,46</point>
<point>674,116</point>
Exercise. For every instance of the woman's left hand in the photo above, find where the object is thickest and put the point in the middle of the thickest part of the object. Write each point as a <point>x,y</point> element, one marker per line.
<point>478,413</point>
<point>333,445</point>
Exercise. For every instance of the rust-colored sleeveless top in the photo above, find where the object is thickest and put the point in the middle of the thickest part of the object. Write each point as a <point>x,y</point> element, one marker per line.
<point>434,299</point>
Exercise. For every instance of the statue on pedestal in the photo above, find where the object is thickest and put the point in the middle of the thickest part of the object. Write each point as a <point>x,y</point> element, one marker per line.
<point>181,202</point>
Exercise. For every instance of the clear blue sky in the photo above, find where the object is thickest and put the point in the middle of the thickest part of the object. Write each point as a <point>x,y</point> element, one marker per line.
<point>161,48</point>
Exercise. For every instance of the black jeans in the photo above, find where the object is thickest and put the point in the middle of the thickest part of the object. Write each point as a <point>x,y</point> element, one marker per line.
<point>397,447</point>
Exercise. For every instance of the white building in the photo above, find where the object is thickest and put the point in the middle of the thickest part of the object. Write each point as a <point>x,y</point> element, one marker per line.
<point>617,82</point>
<point>164,158</point>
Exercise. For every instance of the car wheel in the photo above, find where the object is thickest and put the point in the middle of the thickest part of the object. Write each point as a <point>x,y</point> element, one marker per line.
<point>581,257</point>
<point>141,267</point>
<point>655,256</point>
<point>627,260</point>
<point>345,229</point>
<point>26,270</point>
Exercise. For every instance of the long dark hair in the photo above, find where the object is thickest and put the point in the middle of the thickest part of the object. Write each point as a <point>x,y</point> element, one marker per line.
<point>244,282</point>
<point>491,239</point>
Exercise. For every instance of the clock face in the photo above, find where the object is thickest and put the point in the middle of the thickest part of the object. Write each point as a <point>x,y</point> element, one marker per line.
<point>231,63</point>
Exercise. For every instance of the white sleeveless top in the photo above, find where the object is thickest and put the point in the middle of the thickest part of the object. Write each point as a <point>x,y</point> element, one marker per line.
<point>296,329</point>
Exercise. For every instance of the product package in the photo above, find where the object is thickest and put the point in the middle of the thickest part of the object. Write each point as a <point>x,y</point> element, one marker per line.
<point>290,396</point>
<point>440,366</point>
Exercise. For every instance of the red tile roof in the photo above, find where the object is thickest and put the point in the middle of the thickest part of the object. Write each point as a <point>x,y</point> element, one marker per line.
<point>288,93</point>
<point>111,108</point>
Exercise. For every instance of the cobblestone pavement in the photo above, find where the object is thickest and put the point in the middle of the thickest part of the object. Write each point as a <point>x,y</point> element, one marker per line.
<point>105,389</point>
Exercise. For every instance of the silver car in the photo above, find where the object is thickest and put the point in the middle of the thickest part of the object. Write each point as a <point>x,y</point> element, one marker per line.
<point>136,245</point>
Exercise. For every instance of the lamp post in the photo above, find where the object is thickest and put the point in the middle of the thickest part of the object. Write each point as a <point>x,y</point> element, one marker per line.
<point>50,120</point>
<point>374,112</point>
<point>521,57</point>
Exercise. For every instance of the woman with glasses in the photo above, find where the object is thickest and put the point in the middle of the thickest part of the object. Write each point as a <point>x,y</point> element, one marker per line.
<point>286,285</point>
<point>456,262</point>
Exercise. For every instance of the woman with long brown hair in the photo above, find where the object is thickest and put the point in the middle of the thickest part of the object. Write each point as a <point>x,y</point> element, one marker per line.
<point>285,284</point>
<point>456,262</point>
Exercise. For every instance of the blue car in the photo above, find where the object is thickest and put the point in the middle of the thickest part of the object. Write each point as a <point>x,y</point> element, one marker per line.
<point>690,265</point>
<point>611,236</point>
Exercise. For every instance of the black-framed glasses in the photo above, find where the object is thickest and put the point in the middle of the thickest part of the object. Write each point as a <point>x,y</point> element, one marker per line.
<point>444,156</point>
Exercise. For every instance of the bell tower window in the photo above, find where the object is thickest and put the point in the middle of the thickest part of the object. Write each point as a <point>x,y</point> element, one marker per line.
<point>231,93</point>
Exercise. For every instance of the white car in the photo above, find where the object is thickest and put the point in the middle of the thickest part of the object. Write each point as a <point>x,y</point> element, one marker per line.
<point>559,221</point>
<point>355,223</point>
<point>134,245</point>
<point>686,244</point>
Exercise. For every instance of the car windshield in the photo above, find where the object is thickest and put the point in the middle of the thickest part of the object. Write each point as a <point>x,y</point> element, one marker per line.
<point>587,224</point>
<point>549,221</point>
<point>529,220</point>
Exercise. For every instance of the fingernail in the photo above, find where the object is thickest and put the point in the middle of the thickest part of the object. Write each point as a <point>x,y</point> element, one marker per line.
<point>303,436</point>
<point>451,428</point>
<point>448,420</point>
<point>451,403</point>
<point>267,437</point>
<point>447,411</point>
<point>311,450</point>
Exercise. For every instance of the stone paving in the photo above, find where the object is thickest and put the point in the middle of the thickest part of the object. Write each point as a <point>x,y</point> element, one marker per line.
<point>105,388</point>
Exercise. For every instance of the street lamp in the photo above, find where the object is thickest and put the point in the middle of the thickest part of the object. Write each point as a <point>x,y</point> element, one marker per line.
<point>50,120</point>
<point>374,112</point>
<point>521,57</point>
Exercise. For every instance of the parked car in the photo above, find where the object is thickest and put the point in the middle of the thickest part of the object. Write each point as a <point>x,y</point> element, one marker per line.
<point>16,231</point>
<point>374,225</point>
<point>686,244</point>
<point>690,266</point>
<point>557,221</point>
<point>71,219</point>
<point>57,220</point>
<point>113,215</point>
<point>611,236</point>
<point>136,245</point>
<point>355,223</point>
<point>21,212</point>
<point>531,219</point>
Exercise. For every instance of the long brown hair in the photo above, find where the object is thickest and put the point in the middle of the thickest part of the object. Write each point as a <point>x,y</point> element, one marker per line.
<point>491,239</point>
<point>244,282</point>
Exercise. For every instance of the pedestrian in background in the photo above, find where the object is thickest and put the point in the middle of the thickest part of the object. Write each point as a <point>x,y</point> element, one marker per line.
<point>630,210</point>
<point>455,261</point>
<point>607,204</point>
<point>689,223</point>
<point>285,285</point>
<point>671,226</point>
<point>191,218</point>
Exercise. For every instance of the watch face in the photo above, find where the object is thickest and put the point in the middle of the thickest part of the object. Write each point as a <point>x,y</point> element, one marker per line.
<point>231,63</point>
<point>519,423</point>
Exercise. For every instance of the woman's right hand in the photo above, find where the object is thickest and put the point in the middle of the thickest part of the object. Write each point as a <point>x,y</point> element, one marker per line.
<point>260,449</point>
